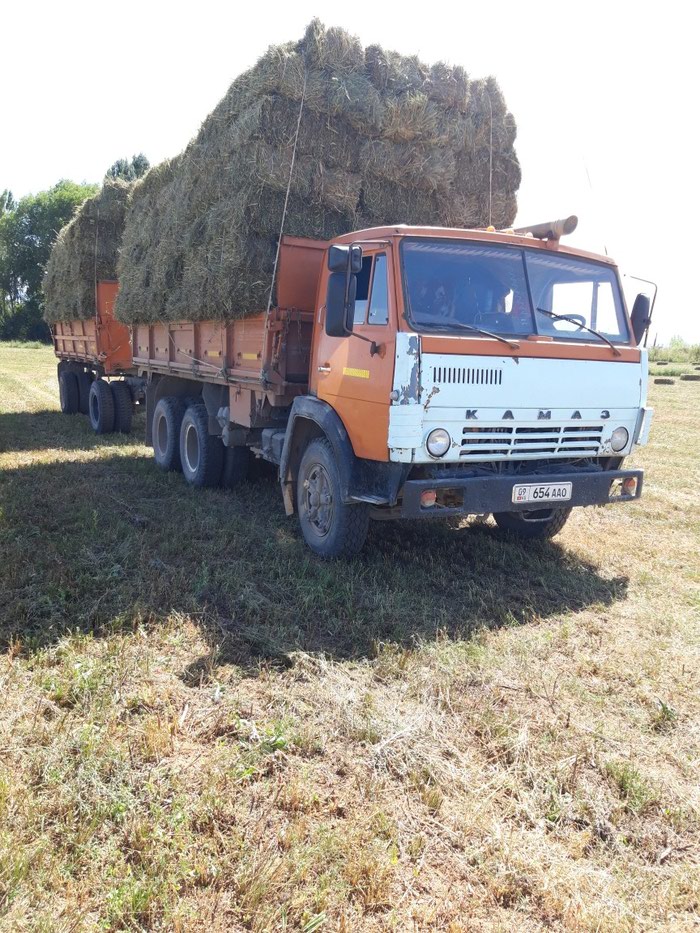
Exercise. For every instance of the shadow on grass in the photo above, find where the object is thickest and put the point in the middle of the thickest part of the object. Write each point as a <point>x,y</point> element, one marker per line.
<point>113,543</point>
<point>43,430</point>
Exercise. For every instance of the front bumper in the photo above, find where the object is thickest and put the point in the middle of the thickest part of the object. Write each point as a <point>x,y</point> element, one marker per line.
<point>482,494</point>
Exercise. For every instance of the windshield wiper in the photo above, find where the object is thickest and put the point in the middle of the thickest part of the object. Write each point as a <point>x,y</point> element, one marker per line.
<point>571,320</point>
<point>459,325</point>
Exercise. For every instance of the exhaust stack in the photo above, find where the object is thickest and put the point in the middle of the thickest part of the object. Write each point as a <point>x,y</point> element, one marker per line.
<point>553,230</point>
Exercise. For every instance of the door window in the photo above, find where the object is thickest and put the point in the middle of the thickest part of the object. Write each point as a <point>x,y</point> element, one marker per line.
<point>379,302</point>
<point>372,296</point>
<point>362,293</point>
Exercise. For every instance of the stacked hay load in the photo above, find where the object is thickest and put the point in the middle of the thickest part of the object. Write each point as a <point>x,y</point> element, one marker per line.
<point>374,138</point>
<point>84,253</point>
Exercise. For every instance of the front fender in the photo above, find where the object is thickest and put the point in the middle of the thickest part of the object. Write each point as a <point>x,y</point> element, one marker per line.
<point>360,480</point>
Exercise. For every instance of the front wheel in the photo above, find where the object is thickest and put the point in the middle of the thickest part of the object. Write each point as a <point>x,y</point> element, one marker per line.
<point>538,524</point>
<point>330,527</point>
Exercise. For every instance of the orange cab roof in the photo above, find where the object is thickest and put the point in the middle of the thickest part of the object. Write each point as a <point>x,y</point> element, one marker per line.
<point>400,231</point>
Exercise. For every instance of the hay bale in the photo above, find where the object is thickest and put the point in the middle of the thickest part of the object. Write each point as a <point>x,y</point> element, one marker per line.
<point>332,49</point>
<point>385,203</point>
<point>395,74</point>
<point>411,117</point>
<point>690,377</point>
<point>382,139</point>
<point>417,166</point>
<point>85,252</point>
<point>449,85</point>
<point>664,382</point>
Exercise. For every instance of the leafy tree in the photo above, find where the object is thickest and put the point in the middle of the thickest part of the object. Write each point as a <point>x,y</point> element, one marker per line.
<point>7,202</point>
<point>129,171</point>
<point>28,229</point>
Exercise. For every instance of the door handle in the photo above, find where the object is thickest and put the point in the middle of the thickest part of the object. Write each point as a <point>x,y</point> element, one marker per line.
<point>324,369</point>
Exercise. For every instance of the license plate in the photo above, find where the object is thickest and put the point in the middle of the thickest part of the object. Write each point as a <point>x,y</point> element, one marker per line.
<point>542,492</point>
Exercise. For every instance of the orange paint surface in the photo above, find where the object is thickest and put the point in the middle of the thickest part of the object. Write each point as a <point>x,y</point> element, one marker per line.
<point>99,340</point>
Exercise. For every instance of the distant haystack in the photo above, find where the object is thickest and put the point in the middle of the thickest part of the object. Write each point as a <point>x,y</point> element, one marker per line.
<point>85,251</point>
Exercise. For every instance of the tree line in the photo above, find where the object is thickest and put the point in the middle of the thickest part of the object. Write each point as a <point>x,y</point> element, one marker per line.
<point>28,229</point>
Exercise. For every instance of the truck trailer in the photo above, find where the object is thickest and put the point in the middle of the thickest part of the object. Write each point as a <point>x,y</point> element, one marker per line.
<point>96,376</point>
<point>413,372</point>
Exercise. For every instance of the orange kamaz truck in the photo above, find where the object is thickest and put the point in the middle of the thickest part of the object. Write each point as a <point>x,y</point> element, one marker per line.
<point>96,376</point>
<point>410,372</point>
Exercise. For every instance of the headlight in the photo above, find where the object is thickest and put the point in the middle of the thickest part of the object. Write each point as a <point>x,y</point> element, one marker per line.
<point>620,438</point>
<point>438,442</point>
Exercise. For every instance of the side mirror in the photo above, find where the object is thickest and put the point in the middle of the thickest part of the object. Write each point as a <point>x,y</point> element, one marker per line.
<point>641,317</point>
<point>344,263</point>
<point>345,259</point>
<point>340,304</point>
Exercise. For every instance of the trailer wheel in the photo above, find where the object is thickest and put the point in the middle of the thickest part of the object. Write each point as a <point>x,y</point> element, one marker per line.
<point>69,393</point>
<point>167,420</point>
<point>201,453</point>
<point>535,525</point>
<point>236,466</point>
<point>101,407</point>
<point>329,526</point>
<point>84,383</point>
<point>123,407</point>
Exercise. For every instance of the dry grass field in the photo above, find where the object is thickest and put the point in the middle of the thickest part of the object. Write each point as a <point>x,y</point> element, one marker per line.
<point>202,728</point>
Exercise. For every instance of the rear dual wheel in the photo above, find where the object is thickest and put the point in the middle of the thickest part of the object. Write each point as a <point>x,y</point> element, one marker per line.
<point>167,420</point>
<point>101,407</point>
<point>181,441</point>
<point>201,453</point>
<point>110,407</point>
<point>69,393</point>
<point>84,385</point>
<point>123,407</point>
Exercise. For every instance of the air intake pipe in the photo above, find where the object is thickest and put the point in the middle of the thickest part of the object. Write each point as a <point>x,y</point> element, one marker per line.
<point>553,230</point>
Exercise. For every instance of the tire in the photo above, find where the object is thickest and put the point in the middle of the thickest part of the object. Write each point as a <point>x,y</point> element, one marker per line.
<point>330,527</point>
<point>535,528</point>
<point>236,467</point>
<point>167,420</point>
<point>101,407</point>
<point>84,383</point>
<point>69,393</point>
<point>201,453</point>
<point>123,407</point>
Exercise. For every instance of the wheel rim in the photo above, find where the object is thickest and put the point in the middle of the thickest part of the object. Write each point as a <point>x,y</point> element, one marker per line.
<point>162,435</point>
<point>94,408</point>
<point>191,448</point>
<point>318,500</point>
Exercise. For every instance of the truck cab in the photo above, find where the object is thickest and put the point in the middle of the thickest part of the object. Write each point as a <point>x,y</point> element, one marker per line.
<point>457,372</point>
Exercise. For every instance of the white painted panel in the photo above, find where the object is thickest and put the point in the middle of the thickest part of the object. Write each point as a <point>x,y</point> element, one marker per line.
<point>529,383</point>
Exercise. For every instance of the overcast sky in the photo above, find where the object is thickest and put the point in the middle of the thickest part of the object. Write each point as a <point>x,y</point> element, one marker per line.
<point>601,93</point>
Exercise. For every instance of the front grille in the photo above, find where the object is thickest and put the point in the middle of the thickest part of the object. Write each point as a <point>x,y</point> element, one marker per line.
<point>524,442</point>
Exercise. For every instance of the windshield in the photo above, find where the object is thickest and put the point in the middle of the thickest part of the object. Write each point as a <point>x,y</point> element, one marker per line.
<point>451,285</point>
<point>585,292</point>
